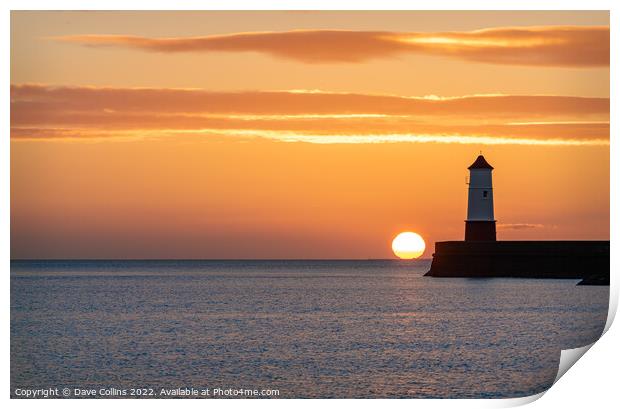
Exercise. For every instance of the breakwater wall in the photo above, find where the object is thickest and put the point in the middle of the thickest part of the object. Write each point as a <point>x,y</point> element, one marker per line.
<point>527,259</point>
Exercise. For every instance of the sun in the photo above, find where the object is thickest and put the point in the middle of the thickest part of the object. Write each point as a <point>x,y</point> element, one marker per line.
<point>408,245</point>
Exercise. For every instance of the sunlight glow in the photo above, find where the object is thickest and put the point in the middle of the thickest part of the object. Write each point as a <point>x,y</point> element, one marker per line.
<point>286,136</point>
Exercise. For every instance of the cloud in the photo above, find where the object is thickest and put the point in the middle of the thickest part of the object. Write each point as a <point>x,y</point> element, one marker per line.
<point>99,135</point>
<point>562,46</point>
<point>44,112</point>
<point>44,99</point>
<point>519,226</point>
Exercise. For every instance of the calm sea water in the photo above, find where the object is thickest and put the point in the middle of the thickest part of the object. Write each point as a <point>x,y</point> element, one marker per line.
<point>306,328</point>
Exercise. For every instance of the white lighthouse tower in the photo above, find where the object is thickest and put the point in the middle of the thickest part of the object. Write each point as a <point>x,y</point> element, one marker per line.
<point>480,223</point>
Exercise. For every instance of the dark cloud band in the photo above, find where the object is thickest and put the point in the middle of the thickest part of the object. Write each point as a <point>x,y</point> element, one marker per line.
<point>560,46</point>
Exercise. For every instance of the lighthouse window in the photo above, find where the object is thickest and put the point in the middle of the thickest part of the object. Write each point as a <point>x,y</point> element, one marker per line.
<point>485,194</point>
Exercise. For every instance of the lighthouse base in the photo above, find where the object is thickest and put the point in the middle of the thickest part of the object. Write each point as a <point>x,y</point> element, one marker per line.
<point>480,230</point>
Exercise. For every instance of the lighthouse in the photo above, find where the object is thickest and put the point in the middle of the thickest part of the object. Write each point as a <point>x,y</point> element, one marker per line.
<point>480,223</point>
<point>481,255</point>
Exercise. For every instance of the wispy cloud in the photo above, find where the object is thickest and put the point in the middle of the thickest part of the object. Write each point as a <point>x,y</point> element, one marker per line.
<point>43,112</point>
<point>519,226</point>
<point>44,99</point>
<point>100,135</point>
<point>370,138</point>
<point>563,46</point>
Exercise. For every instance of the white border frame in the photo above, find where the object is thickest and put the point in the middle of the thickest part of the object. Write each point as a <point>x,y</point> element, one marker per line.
<point>590,383</point>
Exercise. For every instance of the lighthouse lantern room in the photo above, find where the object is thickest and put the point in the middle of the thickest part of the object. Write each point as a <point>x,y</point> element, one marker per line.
<point>480,223</point>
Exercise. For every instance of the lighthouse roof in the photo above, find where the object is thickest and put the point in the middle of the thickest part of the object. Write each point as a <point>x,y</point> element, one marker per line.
<point>480,163</point>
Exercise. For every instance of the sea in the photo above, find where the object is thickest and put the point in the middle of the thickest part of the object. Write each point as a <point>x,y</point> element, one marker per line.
<point>290,329</point>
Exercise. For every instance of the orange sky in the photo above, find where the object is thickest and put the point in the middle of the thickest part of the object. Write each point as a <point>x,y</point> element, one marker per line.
<point>301,134</point>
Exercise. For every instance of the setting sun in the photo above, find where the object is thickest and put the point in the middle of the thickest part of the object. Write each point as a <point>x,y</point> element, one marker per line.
<point>408,245</point>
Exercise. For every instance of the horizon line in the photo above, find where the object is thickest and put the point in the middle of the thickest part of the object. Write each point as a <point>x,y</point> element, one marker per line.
<point>215,259</point>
